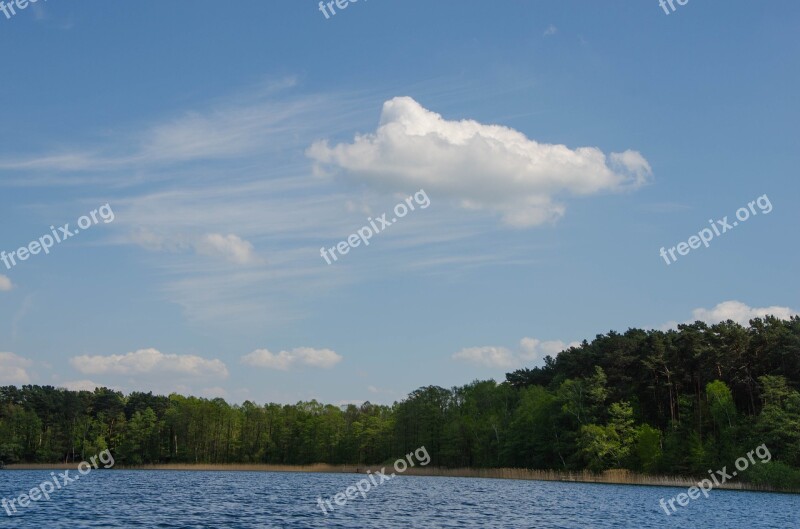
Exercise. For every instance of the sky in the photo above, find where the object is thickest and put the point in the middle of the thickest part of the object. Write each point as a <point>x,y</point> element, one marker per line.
<point>227,152</point>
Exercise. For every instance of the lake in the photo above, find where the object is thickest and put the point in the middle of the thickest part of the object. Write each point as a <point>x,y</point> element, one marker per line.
<point>195,499</point>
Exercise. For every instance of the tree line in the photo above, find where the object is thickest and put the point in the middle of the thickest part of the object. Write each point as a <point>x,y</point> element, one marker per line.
<point>663,402</point>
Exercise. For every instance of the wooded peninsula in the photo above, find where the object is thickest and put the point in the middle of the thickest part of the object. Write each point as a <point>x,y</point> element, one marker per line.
<point>678,402</point>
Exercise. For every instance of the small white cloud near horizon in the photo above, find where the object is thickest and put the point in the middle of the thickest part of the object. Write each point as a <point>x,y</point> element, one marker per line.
<point>285,360</point>
<point>354,402</point>
<point>215,392</point>
<point>487,356</point>
<point>533,349</point>
<point>13,369</point>
<point>496,357</point>
<point>83,385</point>
<point>551,30</point>
<point>478,166</point>
<point>5,283</point>
<point>148,361</point>
<point>736,311</point>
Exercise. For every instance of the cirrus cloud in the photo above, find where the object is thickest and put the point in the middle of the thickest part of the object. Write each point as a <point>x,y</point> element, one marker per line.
<point>285,360</point>
<point>480,166</point>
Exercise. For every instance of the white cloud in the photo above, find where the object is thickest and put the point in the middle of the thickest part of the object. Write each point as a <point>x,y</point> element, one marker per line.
<point>5,283</point>
<point>13,369</point>
<point>153,241</point>
<point>82,385</point>
<point>487,356</point>
<point>500,357</point>
<point>251,124</point>
<point>480,166</point>
<point>215,392</point>
<point>736,311</point>
<point>354,402</point>
<point>285,360</point>
<point>149,361</point>
<point>551,30</point>
<point>230,247</point>
<point>261,193</point>
<point>533,349</point>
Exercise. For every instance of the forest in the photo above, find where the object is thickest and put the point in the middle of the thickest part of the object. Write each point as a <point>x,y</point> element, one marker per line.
<point>677,402</point>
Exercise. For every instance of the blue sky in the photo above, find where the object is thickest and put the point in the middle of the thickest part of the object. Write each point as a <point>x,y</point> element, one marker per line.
<point>561,145</point>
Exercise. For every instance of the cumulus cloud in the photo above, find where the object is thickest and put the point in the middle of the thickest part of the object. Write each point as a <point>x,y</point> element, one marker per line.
<point>480,166</point>
<point>13,369</point>
<point>501,358</point>
<point>82,385</point>
<point>149,361</point>
<point>5,283</point>
<point>487,356</point>
<point>533,349</point>
<point>354,402</point>
<point>215,392</point>
<point>285,360</point>
<point>737,311</point>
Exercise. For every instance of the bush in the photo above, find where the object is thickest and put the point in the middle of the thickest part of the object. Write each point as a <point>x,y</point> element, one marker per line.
<point>774,474</point>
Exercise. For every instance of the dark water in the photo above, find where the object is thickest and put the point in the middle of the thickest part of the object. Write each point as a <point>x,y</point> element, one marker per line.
<point>167,499</point>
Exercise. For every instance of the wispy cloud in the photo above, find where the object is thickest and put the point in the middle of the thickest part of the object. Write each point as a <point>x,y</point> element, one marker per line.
<point>232,216</point>
<point>230,247</point>
<point>251,124</point>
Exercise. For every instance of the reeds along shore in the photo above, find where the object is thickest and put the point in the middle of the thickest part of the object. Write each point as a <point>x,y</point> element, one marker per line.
<point>614,477</point>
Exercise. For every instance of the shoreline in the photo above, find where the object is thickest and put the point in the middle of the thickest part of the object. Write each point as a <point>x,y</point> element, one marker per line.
<point>608,477</point>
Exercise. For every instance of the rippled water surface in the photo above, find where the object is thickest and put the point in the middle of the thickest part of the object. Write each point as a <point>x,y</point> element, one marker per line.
<point>167,499</point>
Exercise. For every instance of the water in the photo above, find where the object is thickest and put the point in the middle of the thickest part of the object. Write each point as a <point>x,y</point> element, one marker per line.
<point>169,499</point>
